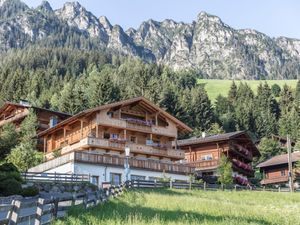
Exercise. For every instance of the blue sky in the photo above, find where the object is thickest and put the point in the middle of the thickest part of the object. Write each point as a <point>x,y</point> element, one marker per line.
<point>273,17</point>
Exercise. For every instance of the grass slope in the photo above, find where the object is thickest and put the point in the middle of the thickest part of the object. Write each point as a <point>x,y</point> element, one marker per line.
<point>216,87</point>
<point>183,207</point>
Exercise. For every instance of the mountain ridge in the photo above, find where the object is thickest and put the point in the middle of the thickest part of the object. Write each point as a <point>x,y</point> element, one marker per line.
<point>207,45</point>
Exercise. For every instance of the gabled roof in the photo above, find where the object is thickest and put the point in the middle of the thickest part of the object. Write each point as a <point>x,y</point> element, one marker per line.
<point>212,138</point>
<point>143,101</point>
<point>8,104</point>
<point>216,138</point>
<point>279,160</point>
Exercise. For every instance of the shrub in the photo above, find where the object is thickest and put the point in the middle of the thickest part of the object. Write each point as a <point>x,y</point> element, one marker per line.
<point>30,191</point>
<point>10,187</point>
<point>8,167</point>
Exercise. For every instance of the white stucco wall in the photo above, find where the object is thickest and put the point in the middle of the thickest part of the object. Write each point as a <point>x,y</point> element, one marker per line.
<point>103,172</point>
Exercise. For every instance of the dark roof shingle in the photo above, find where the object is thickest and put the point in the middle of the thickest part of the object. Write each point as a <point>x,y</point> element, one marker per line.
<point>279,159</point>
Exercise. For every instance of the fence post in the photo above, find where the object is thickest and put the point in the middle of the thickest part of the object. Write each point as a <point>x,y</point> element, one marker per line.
<point>190,184</point>
<point>204,186</point>
<point>15,212</point>
<point>171,184</point>
<point>73,199</point>
<point>39,211</point>
<point>264,188</point>
<point>55,207</point>
<point>279,189</point>
<point>235,187</point>
<point>155,183</point>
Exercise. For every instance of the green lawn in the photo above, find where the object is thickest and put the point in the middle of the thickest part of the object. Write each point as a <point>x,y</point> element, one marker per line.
<point>216,87</point>
<point>183,207</point>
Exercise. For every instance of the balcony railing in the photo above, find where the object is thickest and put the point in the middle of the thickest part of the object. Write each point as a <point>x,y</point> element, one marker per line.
<point>134,163</point>
<point>14,118</point>
<point>140,127</point>
<point>242,165</point>
<point>244,152</point>
<point>275,180</point>
<point>135,148</point>
<point>113,161</point>
<point>204,164</point>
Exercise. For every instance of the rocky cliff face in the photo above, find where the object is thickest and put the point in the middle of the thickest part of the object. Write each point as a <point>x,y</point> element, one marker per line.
<point>206,45</point>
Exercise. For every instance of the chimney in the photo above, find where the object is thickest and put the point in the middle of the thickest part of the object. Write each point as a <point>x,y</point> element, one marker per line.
<point>203,134</point>
<point>24,102</point>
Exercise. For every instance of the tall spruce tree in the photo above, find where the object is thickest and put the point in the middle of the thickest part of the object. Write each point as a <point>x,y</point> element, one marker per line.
<point>8,139</point>
<point>201,111</point>
<point>25,154</point>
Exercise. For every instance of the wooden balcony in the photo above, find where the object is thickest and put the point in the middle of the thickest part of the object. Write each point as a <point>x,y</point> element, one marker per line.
<point>135,148</point>
<point>153,165</point>
<point>241,151</point>
<point>275,180</point>
<point>205,164</point>
<point>138,127</point>
<point>14,118</point>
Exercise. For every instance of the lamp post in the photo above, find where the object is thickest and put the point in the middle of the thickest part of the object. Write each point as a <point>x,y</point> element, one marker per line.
<point>126,163</point>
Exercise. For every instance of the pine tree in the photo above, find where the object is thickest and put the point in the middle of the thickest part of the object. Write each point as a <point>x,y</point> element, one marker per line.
<point>201,112</point>
<point>8,139</point>
<point>232,94</point>
<point>269,148</point>
<point>297,96</point>
<point>25,155</point>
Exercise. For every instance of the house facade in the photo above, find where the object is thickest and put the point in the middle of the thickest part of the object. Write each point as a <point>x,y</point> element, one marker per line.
<point>16,112</point>
<point>275,170</point>
<point>94,141</point>
<point>205,153</point>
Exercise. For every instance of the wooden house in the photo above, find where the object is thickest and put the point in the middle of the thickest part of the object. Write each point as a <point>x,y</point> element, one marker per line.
<point>93,142</point>
<point>204,154</point>
<point>275,170</point>
<point>16,112</point>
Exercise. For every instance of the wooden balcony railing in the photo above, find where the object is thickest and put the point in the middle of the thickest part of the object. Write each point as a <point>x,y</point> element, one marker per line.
<point>14,118</point>
<point>275,180</point>
<point>204,164</point>
<point>241,151</point>
<point>134,163</point>
<point>139,127</point>
<point>135,148</point>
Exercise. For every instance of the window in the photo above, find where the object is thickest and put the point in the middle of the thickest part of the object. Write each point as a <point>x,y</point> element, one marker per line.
<point>114,136</point>
<point>106,135</point>
<point>132,139</point>
<point>154,178</point>
<point>136,177</point>
<point>110,114</point>
<point>95,180</point>
<point>115,178</point>
<point>53,121</point>
<point>206,157</point>
<point>282,172</point>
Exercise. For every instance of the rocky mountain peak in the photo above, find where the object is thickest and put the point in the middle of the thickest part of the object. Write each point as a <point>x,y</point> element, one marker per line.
<point>105,23</point>
<point>206,45</point>
<point>71,10</point>
<point>204,16</point>
<point>45,6</point>
<point>2,2</point>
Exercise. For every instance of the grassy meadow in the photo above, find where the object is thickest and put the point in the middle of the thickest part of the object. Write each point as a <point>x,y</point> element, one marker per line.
<point>184,207</point>
<point>216,87</point>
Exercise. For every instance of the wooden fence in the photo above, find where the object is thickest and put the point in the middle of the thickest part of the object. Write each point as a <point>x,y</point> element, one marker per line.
<point>203,186</point>
<point>39,211</point>
<point>55,177</point>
